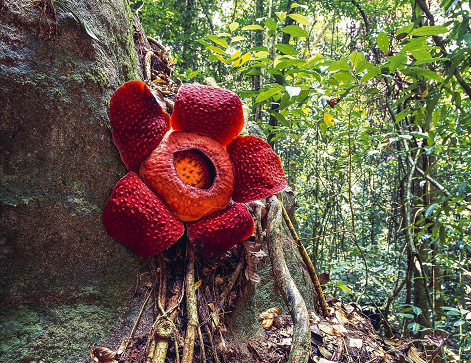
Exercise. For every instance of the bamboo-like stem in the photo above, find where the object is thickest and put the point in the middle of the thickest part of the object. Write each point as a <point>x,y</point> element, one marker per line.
<point>191,307</point>
<point>307,261</point>
<point>301,344</point>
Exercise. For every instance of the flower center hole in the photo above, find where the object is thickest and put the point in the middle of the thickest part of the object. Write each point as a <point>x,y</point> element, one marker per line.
<point>194,168</point>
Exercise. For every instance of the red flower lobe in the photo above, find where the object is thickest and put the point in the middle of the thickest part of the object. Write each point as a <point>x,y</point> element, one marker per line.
<point>222,230</point>
<point>138,219</point>
<point>258,172</point>
<point>208,111</point>
<point>138,123</point>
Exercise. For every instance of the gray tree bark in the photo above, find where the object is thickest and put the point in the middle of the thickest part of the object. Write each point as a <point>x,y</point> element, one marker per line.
<point>64,282</point>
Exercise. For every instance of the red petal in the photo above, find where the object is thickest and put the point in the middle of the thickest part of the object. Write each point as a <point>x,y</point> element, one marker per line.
<point>208,111</point>
<point>222,230</point>
<point>138,219</point>
<point>257,169</point>
<point>138,123</point>
<point>187,202</point>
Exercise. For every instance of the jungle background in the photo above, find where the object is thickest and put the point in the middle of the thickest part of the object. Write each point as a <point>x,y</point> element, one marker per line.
<point>366,102</point>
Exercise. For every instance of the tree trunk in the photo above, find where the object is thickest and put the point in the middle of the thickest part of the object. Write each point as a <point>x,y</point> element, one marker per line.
<point>65,283</point>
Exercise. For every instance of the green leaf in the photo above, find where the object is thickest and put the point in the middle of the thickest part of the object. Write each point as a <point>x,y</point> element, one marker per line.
<point>245,58</point>
<point>341,286</point>
<point>427,73</point>
<point>415,44</point>
<point>300,18</point>
<point>323,127</point>
<point>89,31</point>
<point>396,61</point>
<point>420,54</point>
<point>233,26</point>
<point>265,95</point>
<point>404,315</point>
<point>252,27</point>
<point>373,72</point>
<point>69,6</point>
<point>430,210</point>
<point>213,57</point>
<point>258,49</point>
<point>296,5</point>
<point>383,42</point>
<point>270,24</point>
<point>218,41</point>
<point>286,49</point>
<point>216,50</point>
<point>356,58</point>
<point>281,119</point>
<point>430,60</point>
<point>295,31</point>
<point>238,38</point>
<point>344,77</point>
<point>339,65</point>
<point>235,55</point>
<point>328,119</point>
<point>429,30</point>
<point>404,30</point>
<point>281,15</point>
<point>452,311</point>
<point>192,74</point>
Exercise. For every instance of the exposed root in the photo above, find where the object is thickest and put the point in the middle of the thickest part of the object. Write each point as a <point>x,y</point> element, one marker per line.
<point>307,261</point>
<point>230,285</point>
<point>191,306</point>
<point>47,9</point>
<point>301,343</point>
<point>202,350</point>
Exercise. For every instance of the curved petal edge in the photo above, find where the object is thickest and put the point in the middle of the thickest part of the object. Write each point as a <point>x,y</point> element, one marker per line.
<point>208,111</point>
<point>138,123</point>
<point>220,231</point>
<point>258,172</point>
<point>136,217</point>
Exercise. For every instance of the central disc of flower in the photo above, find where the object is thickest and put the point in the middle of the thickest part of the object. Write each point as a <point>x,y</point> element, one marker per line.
<point>192,169</point>
<point>191,173</point>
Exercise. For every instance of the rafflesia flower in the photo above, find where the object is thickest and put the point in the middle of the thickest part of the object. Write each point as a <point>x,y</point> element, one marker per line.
<point>190,169</point>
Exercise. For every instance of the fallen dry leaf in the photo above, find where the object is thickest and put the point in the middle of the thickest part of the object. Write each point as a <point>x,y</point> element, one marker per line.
<point>325,353</point>
<point>414,355</point>
<point>356,343</point>
<point>102,355</point>
<point>285,343</point>
<point>268,317</point>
